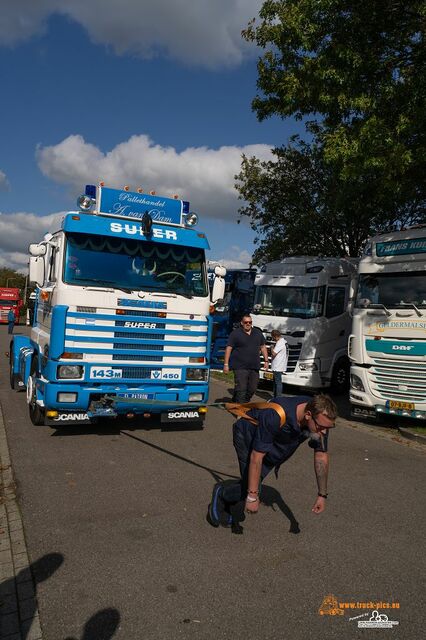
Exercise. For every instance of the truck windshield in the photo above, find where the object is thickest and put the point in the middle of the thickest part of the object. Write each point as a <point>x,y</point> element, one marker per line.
<point>134,265</point>
<point>392,290</point>
<point>293,302</point>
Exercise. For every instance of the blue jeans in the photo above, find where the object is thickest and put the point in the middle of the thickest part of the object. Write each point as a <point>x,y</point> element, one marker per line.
<point>10,327</point>
<point>242,437</point>
<point>278,384</point>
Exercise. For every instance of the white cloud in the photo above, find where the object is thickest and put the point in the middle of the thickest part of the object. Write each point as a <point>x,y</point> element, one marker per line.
<point>201,175</point>
<point>4,182</point>
<point>196,32</point>
<point>17,231</point>
<point>234,258</point>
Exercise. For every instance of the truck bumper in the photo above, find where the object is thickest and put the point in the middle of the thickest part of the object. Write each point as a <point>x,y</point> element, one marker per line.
<point>366,405</point>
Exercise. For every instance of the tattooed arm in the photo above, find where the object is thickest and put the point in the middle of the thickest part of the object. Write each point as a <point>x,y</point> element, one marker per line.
<point>321,471</point>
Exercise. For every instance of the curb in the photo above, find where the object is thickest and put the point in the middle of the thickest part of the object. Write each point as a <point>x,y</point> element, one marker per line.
<point>18,603</point>
<point>417,437</point>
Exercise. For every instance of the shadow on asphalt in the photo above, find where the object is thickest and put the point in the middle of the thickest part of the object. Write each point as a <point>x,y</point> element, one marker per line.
<point>22,584</point>
<point>101,626</point>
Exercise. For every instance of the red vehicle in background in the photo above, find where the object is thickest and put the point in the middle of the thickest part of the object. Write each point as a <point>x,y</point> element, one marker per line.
<point>10,299</point>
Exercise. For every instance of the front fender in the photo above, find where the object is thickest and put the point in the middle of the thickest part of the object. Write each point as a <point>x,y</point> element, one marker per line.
<point>22,352</point>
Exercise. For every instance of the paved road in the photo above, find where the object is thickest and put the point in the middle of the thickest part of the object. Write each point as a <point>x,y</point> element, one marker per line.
<point>115,526</point>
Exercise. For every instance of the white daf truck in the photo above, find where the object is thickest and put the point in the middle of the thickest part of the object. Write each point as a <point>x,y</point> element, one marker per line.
<point>307,299</point>
<point>387,347</point>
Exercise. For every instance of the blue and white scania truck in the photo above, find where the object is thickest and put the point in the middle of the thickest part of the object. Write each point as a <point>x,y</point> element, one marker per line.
<point>122,321</point>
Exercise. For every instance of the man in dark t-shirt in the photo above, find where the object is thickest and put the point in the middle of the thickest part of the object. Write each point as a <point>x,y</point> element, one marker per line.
<point>242,355</point>
<point>267,443</point>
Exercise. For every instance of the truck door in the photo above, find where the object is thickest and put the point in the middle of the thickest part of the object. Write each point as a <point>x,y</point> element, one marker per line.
<point>337,324</point>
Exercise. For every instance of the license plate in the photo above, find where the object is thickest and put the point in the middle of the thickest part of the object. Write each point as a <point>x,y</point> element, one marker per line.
<point>397,404</point>
<point>136,396</point>
<point>268,376</point>
<point>181,415</point>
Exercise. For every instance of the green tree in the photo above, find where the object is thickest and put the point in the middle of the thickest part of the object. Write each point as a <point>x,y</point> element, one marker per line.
<point>11,278</point>
<point>355,71</point>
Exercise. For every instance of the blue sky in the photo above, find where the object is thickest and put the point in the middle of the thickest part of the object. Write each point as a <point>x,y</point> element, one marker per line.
<point>151,94</point>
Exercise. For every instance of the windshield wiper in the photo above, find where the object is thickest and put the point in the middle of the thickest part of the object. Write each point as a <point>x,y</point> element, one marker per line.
<point>377,305</point>
<point>411,304</point>
<point>113,284</point>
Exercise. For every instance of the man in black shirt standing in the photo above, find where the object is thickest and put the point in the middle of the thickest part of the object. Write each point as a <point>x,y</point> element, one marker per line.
<point>242,355</point>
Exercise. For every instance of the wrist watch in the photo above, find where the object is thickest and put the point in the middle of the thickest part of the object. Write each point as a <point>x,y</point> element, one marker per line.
<point>322,495</point>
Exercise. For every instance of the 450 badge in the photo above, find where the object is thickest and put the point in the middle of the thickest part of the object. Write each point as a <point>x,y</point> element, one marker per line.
<point>166,374</point>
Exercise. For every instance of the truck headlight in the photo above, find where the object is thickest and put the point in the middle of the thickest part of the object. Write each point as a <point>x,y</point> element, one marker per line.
<point>308,366</point>
<point>200,375</point>
<point>356,383</point>
<point>195,397</point>
<point>66,397</point>
<point>70,371</point>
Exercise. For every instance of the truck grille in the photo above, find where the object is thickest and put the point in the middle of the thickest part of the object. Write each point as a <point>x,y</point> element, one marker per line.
<point>390,379</point>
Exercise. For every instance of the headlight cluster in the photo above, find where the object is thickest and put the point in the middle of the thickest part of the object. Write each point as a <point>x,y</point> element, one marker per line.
<point>197,375</point>
<point>356,383</point>
<point>308,366</point>
<point>69,371</point>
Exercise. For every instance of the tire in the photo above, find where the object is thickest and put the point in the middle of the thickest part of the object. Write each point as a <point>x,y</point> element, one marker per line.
<point>35,411</point>
<point>340,377</point>
<point>13,377</point>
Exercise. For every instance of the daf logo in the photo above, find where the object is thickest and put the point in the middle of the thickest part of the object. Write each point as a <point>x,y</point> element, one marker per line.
<point>402,387</point>
<point>401,347</point>
<point>65,417</point>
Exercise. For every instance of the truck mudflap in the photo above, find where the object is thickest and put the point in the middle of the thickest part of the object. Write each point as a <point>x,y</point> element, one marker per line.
<point>68,418</point>
<point>182,415</point>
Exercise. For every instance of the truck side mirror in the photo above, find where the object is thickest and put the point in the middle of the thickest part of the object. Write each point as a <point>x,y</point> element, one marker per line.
<point>37,249</point>
<point>36,270</point>
<point>218,289</point>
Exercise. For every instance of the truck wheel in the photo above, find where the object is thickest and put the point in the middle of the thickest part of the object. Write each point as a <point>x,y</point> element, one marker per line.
<point>13,377</point>
<point>340,377</point>
<point>35,411</point>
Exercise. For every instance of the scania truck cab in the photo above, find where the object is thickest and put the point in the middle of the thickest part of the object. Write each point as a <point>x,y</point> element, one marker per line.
<point>121,320</point>
<point>387,347</point>
<point>307,299</point>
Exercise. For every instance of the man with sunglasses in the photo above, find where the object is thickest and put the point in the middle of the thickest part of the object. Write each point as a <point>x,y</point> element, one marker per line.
<point>265,438</point>
<point>242,355</point>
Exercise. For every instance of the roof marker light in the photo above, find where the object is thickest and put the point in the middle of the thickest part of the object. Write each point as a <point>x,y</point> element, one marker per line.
<point>126,187</point>
<point>152,193</point>
<point>140,190</point>
<point>175,196</point>
<point>102,184</point>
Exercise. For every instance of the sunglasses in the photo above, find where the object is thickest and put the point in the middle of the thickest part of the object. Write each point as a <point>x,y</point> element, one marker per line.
<point>247,322</point>
<point>321,427</point>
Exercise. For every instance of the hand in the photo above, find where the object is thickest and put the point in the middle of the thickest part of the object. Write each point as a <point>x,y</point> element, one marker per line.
<point>319,505</point>
<point>265,366</point>
<point>225,368</point>
<point>252,507</point>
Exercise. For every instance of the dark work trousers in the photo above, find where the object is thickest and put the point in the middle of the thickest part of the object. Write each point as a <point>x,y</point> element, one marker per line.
<point>246,381</point>
<point>278,384</point>
<point>236,491</point>
<point>10,327</point>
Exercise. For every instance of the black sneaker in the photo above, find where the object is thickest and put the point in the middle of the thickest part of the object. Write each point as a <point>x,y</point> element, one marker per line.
<point>216,506</point>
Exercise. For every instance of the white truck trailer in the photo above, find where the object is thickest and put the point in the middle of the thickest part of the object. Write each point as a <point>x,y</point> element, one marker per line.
<point>307,299</point>
<point>387,347</point>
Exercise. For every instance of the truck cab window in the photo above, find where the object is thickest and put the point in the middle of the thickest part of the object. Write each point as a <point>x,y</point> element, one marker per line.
<point>335,302</point>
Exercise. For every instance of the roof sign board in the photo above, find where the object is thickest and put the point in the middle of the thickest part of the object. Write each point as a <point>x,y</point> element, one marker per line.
<point>129,204</point>
<point>401,247</point>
